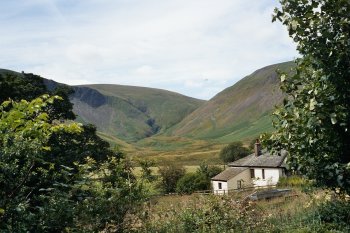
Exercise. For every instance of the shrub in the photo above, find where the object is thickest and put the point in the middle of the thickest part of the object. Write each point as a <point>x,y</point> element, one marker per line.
<point>170,174</point>
<point>233,151</point>
<point>335,211</point>
<point>191,182</point>
<point>294,181</point>
<point>208,214</point>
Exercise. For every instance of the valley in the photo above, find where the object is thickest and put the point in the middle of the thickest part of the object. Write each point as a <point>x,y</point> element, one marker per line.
<point>168,127</point>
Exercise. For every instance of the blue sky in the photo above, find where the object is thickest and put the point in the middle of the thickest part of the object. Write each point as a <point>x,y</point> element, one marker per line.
<point>194,47</point>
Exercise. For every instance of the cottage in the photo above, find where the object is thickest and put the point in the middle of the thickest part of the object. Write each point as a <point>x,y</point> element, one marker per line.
<point>258,169</point>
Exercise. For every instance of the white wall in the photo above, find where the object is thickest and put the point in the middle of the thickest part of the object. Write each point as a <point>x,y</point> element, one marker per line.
<point>215,185</point>
<point>272,176</point>
<point>232,183</point>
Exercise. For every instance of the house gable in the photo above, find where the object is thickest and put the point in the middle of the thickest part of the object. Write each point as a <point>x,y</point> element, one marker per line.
<point>258,169</point>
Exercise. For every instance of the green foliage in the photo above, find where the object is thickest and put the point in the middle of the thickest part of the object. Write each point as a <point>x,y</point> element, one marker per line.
<point>335,211</point>
<point>146,171</point>
<point>42,192</point>
<point>313,122</point>
<point>102,204</point>
<point>69,147</point>
<point>198,181</point>
<point>170,175</point>
<point>209,214</point>
<point>29,86</point>
<point>307,213</point>
<point>209,171</point>
<point>233,151</point>
<point>191,182</point>
<point>15,87</point>
<point>294,181</point>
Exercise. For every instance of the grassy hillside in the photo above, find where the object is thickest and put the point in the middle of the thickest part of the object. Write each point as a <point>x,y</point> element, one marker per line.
<point>239,112</point>
<point>169,127</point>
<point>131,113</point>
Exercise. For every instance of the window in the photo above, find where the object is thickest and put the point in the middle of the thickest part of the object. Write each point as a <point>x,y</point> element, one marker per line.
<point>263,173</point>
<point>239,184</point>
<point>220,185</point>
<point>252,174</point>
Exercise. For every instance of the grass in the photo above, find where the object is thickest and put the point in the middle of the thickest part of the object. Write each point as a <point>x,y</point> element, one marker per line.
<point>238,112</point>
<point>137,170</point>
<point>263,124</point>
<point>306,212</point>
<point>131,107</point>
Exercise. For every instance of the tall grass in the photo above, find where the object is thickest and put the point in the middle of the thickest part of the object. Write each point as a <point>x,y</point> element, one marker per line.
<point>312,212</point>
<point>294,181</point>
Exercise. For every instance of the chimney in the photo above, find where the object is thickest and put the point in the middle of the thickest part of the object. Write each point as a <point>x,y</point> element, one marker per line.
<point>257,148</point>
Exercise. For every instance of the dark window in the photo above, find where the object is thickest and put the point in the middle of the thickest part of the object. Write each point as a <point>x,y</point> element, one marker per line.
<point>252,174</point>
<point>263,173</point>
<point>220,185</point>
<point>239,184</point>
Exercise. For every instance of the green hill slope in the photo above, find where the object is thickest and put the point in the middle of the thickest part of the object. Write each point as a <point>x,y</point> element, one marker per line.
<point>239,112</point>
<point>131,113</point>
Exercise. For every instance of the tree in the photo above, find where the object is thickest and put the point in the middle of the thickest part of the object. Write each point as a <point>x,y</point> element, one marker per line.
<point>198,181</point>
<point>233,151</point>
<point>29,86</point>
<point>146,170</point>
<point>70,147</point>
<point>313,121</point>
<point>209,171</point>
<point>170,174</point>
<point>191,182</point>
<point>41,192</point>
<point>13,86</point>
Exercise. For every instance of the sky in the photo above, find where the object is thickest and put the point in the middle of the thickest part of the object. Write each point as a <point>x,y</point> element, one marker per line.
<point>193,47</point>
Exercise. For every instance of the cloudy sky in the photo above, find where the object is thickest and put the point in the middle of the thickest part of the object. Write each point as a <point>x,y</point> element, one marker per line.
<point>194,47</point>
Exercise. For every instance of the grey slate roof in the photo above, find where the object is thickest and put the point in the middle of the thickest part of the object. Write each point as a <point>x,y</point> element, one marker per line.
<point>264,160</point>
<point>228,173</point>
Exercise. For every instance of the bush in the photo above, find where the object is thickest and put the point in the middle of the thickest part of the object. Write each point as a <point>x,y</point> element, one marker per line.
<point>294,181</point>
<point>170,175</point>
<point>335,212</point>
<point>198,181</point>
<point>42,192</point>
<point>209,171</point>
<point>192,182</point>
<point>208,214</point>
<point>233,151</point>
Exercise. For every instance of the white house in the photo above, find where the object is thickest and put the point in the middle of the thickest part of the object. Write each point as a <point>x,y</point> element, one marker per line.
<point>258,169</point>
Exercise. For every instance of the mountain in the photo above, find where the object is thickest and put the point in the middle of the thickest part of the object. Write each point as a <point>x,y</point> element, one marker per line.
<point>131,113</point>
<point>238,112</point>
<point>124,112</point>
<point>134,114</point>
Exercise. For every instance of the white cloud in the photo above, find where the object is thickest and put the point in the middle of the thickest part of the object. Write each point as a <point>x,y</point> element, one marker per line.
<point>174,45</point>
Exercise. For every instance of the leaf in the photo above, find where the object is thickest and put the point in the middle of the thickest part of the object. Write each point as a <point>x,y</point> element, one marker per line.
<point>47,148</point>
<point>333,118</point>
<point>313,103</point>
<point>294,24</point>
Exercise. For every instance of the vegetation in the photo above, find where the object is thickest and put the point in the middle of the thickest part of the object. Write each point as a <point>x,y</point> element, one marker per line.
<point>198,181</point>
<point>294,181</point>
<point>169,176</point>
<point>29,86</point>
<point>233,152</point>
<point>313,122</point>
<point>60,177</point>
<point>141,112</point>
<point>239,112</point>
<point>308,212</point>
